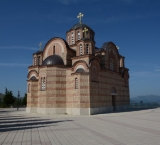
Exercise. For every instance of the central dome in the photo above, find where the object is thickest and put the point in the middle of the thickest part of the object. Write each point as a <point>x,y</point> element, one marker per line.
<point>78,25</point>
<point>53,60</point>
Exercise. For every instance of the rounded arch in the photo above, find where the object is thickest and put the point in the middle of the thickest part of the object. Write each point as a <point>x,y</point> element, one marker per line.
<point>111,56</point>
<point>95,62</point>
<point>32,73</point>
<point>80,64</point>
<point>108,45</point>
<point>51,43</point>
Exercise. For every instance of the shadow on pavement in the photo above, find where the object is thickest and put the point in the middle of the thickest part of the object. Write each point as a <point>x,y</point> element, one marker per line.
<point>20,122</point>
<point>14,117</point>
<point>24,123</point>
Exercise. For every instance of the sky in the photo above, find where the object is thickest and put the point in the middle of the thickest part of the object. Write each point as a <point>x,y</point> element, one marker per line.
<point>132,25</point>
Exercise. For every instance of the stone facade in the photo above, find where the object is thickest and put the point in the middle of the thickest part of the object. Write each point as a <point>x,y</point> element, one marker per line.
<point>75,77</point>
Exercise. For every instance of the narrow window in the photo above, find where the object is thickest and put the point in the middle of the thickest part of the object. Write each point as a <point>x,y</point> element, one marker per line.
<point>111,64</point>
<point>78,35</point>
<point>54,49</point>
<point>28,88</point>
<point>72,38</point>
<point>80,49</point>
<point>35,61</point>
<point>87,49</point>
<point>39,60</point>
<point>43,84</point>
<point>76,83</point>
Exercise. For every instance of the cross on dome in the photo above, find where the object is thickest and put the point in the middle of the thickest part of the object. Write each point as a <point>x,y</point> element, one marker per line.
<point>80,17</point>
<point>85,30</point>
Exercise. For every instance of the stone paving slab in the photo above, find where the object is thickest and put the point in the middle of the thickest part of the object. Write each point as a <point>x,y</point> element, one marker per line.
<point>123,128</point>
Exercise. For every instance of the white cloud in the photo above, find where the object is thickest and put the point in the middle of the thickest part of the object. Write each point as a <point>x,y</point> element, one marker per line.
<point>133,63</point>
<point>147,74</point>
<point>18,47</point>
<point>157,68</point>
<point>141,73</point>
<point>14,64</point>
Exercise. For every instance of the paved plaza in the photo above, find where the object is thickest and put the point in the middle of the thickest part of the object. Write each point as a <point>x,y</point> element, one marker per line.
<point>123,128</point>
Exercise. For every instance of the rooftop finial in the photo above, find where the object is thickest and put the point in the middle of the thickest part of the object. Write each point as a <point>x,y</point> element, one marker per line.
<point>80,17</point>
<point>40,45</point>
<point>85,31</point>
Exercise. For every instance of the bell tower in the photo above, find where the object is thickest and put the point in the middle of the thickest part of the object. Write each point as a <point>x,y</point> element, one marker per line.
<point>81,38</point>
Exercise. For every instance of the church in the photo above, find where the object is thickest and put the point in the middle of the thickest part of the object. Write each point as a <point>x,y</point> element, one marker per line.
<point>75,77</point>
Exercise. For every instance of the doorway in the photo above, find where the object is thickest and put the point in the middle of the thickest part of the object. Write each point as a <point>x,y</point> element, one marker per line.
<point>114,102</point>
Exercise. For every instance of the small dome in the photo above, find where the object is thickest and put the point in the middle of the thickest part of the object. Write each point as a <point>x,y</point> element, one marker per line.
<point>79,70</point>
<point>53,60</point>
<point>78,25</point>
<point>33,78</point>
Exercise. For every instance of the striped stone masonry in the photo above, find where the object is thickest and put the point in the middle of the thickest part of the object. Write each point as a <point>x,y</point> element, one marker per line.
<point>74,77</point>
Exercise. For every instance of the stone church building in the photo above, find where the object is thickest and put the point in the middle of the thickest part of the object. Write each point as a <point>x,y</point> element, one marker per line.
<point>75,77</point>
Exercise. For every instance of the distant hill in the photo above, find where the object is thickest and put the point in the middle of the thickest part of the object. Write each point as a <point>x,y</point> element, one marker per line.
<point>146,99</point>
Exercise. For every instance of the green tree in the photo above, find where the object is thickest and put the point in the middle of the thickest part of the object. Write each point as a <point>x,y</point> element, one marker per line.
<point>24,100</point>
<point>8,98</point>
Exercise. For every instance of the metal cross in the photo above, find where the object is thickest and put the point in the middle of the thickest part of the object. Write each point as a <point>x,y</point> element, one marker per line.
<point>80,17</point>
<point>40,45</point>
<point>84,31</point>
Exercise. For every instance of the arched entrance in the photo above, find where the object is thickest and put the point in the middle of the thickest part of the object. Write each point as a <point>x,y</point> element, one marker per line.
<point>113,94</point>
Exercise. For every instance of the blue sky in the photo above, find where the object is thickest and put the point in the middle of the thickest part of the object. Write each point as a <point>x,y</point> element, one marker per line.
<point>133,25</point>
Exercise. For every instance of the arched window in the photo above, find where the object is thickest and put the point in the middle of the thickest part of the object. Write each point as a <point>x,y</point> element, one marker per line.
<point>76,83</point>
<point>80,49</point>
<point>35,60</point>
<point>78,35</point>
<point>39,60</point>
<point>87,49</point>
<point>111,64</point>
<point>54,49</point>
<point>28,88</point>
<point>43,83</point>
<point>68,38</point>
<point>72,38</point>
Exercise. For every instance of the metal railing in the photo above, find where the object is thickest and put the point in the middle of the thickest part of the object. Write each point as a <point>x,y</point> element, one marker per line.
<point>144,105</point>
